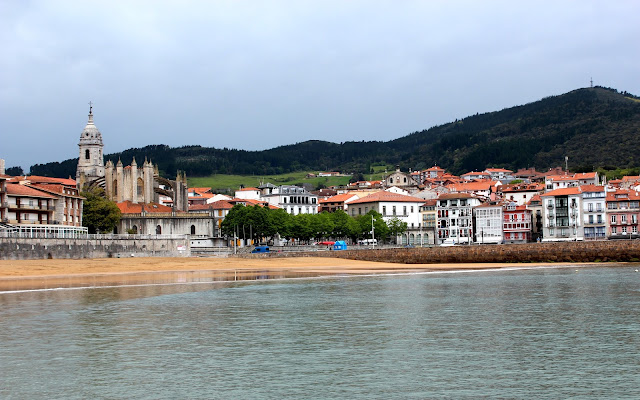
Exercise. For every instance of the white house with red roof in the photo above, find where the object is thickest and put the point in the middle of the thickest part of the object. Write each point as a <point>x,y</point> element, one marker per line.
<point>500,174</point>
<point>455,218</point>
<point>481,189</point>
<point>520,193</point>
<point>392,205</point>
<point>553,182</point>
<point>337,202</point>
<point>475,175</point>
<point>562,215</point>
<point>248,193</point>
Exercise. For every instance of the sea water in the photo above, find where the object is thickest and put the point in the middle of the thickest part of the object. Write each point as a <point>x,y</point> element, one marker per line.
<point>530,334</point>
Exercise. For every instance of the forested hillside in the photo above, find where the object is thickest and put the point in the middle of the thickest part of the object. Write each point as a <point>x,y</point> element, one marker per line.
<point>594,127</point>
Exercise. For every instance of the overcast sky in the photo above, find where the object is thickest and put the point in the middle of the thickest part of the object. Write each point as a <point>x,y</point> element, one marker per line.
<point>258,74</point>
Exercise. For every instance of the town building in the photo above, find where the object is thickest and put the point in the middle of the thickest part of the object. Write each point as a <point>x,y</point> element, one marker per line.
<point>392,205</point>
<point>623,213</point>
<point>293,199</point>
<point>480,189</point>
<point>248,193</point>
<point>455,218</point>
<point>562,215</point>
<point>400,179</point>
<point>500,174</point>
<point>3,201</point>
<point>516,226</point>
<point>520,193</point>
<point>553,182</point>
<point>535,205</point>
<point>488,223</point>
<point>475,176</point>
<point>594,212</point>
<point>337,202</point>
<point>428,218</point>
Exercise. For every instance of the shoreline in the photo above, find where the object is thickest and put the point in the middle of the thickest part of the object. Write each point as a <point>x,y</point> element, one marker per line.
<point>16,275</point>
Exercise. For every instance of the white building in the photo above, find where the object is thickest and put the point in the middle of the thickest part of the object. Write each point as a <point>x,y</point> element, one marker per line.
<point>392,205</point>
<point>455,218</point>
<point>594,212</point>
<point>488,223</point>
<point>500,174</point>
<point>562,215</point>
<point>248,193</point>
<point>293,199</point>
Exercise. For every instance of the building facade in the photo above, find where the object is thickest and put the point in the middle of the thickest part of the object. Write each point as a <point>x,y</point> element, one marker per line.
<point>455,218</point>
<point>562,215</point>
<point>623,213</point>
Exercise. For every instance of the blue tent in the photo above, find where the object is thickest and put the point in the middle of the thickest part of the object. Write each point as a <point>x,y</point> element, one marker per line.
<point>340,245</point>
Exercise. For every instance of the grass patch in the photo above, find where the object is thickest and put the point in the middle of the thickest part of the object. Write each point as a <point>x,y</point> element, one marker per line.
<point>230,183</point>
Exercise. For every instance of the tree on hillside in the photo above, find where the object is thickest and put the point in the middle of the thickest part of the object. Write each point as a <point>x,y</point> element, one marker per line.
<point>99,214</point>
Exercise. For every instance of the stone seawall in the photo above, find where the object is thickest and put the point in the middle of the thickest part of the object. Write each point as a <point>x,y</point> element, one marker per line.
<point>32,249</point>
<point>613,250</point>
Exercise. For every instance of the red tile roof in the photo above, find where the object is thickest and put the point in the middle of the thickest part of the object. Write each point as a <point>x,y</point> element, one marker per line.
<point>623,195</point>
<point>447,196</point>
<point>384,196</point>
<point>563,192</point>
<point>46,179</point>
<point>340,198</point>
<point>15,189</point>
<point>248,189</point>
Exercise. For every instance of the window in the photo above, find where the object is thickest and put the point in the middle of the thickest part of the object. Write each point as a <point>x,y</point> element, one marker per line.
<point>193,229</point>
<point>86,155</point>
<point>384,210</point>
<point>158,230</point>
<point>590,218</point>
<point>613,219</point>
<point>394,210</point>
<point>624,229</point>
<point>590,206</point>
<point>404,210</point>
<point>623,218</point>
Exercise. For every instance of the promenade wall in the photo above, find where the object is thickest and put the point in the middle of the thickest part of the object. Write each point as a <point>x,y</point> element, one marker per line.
<point>41,248</point>
<point>605,251</point>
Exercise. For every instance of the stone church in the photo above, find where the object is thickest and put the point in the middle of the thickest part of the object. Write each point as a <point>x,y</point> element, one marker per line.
<point>124,183</point>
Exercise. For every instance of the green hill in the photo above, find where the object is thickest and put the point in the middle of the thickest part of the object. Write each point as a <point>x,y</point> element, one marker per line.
<point>594,127</point>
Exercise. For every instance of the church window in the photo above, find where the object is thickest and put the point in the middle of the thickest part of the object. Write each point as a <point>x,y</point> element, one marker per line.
<point>193,229</point>
<point>86,155</point>
<point>390,180</point>
<point>158,230</point>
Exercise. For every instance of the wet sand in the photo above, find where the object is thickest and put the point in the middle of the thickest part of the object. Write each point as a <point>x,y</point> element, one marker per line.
<point>48,274</point>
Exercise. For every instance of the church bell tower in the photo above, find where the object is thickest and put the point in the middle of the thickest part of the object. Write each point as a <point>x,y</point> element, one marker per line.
<point>91,162</point>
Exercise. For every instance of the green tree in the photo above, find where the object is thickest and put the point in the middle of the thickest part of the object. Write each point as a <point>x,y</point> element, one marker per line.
<point>99,214</point>
<point>381,230</point>
<point>396,227</point>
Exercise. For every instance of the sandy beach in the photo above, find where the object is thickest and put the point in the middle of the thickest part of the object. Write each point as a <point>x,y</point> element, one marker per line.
<point>40,274</point>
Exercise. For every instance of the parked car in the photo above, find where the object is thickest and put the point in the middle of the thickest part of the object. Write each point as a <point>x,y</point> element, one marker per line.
<point>260,249</point>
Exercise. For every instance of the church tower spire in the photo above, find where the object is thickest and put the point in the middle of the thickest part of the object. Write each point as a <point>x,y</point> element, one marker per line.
<point>90,160</point>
